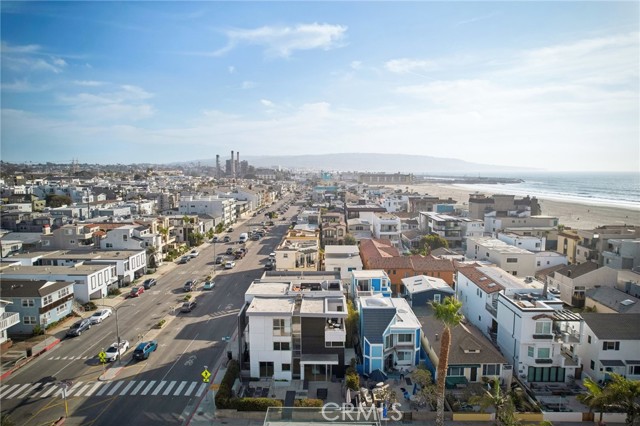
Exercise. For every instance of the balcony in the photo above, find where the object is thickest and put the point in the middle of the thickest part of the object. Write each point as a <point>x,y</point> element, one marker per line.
<point>8,319</point>
<point>335,332</point>
<point>567,337</point>
<point>492,309</point>
<point>569,359</point>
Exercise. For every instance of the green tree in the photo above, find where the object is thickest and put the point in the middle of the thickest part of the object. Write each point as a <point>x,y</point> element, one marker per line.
<point>624,394</point>
<point>448,312</point>
<point>58,200</point>
<point>427,390</point>
<point>350,240</point>
<point>501,401</point>
<point>353,317</point>
<point>595,398</point>
<point>210,233</point>
<point>432,242</point>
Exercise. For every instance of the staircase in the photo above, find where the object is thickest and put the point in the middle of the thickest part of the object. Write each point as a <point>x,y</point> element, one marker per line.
<point>77,308</point>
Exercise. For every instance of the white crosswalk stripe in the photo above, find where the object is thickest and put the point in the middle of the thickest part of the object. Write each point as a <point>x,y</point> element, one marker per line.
<point>31,389</point>
<point>191,388</point>
<point>148,388</point>
<point>3,387</point>
<point>57,358</point>
<point>158,388</point>
<point>17,391</point>
<point>203,386</point>
<point>8,390</point>
<point>71,390</point>
<point>127,387</point>
<point>168,389</point>
<point>137,389</point>
<point>103,389</point>
<point>115,388</point>
<point>93,388</point>
<point>50,389</point>
<point>83,389</point>
<point>177,392</point>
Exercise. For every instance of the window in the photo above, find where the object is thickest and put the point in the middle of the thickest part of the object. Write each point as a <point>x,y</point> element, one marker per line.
<point>62,293</point>
<point>266,369</point>
<point>543,353</point>
<point>388,341</point>
<point>278,327</point>
<point>334,344</point>
<point>47,299</point>
<point>592,364</point>
<point>491,369</point>
<point>456,371</point>
<point>286,367</point>
<point>27,303</point>
<point>512,260</point>
<point>610,346</point>
<point>285,255</point>
<point>125,237</point>
<point>437,298</point>
<point>29,320</point>
<point>530,351</point>
<point>405,338</point>
<point>588,339</point>
<point>281,346</point>
<point>543,327</point>
<point>634,370</point>
<point>404,355</point>
<point>109,245</point>
<point>60,309</point>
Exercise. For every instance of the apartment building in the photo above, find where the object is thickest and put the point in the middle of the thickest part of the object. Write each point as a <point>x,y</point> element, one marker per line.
<point>7,320</point>
<point>494,223</point>
<point>299,250</point>
<point>343,259</point>
<point>369,283</point>
<point>514,260</point>
<point>210,205</point>
<point>69,236</point>
<point>446,226</point>
<point>622,254</point>
<point>572,281</point>
<point>480,204</point>
<point>595,242</point>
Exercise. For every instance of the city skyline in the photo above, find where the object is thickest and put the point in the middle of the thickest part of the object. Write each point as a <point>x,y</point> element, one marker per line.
<point>543,85</point>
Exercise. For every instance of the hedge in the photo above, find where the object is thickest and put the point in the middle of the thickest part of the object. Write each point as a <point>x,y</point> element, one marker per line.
<point>308,403</point>
<point>254,404</point>
<point>224,394</point>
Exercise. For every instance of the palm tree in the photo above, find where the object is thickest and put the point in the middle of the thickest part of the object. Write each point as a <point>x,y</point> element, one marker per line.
<point>595,397</point>
<point>448,313</point>
<point>501,401</point>
<point>625,394</point>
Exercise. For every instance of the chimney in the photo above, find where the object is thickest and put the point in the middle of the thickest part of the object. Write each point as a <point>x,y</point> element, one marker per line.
<point>46,229</point>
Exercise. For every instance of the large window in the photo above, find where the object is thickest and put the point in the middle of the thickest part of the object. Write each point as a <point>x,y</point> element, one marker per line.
<point>29,320</point>
<point>405,338</point>
<point>47,299</point>
<point>404,355</point>
<point>543,327</point>
<point>266,369</point>
<point>545,374</point>
<point>27,303</point>
<point>281,346</point>
<point>456,371</point>
<point>491,369</point>
<point>634,370</point>
<point>610,346</point>
<point>544,353</point>
<point>286,367</point>
<point>530,350</point>
<point>278,327</point>
<point>63,292</point>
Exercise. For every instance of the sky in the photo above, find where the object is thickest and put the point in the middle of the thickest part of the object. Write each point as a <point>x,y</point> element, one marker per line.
<point>550,85</point>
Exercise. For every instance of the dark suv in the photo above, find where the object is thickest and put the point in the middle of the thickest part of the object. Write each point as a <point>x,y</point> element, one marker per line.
<point>77,328</point>
<point>190,285</point>
<point>149,283</point>
<point>144,349</point>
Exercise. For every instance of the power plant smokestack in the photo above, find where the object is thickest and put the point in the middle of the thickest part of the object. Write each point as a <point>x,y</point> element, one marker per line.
<point>217,166</point>
<point>233,166</point>
<point>237,166</point>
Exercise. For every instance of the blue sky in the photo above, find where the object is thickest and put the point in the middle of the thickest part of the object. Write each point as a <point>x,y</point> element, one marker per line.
<point>539,84</point>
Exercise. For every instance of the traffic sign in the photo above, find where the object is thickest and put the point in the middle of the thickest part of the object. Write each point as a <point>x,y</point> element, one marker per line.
<point>103,357</point>
<point>205,376</point>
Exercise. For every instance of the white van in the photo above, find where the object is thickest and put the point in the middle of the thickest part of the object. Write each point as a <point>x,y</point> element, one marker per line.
<point>243,237</point>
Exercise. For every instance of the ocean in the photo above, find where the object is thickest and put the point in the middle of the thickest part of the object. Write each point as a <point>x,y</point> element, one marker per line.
<point>595,188</point>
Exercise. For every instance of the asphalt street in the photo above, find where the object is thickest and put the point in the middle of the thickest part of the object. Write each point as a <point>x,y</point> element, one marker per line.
<point>165,388</point>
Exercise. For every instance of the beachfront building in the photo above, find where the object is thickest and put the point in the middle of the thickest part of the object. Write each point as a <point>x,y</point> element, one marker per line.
<point>622,254</point>
<point>572,281</point>
<point>480,205</point>
<point>495,222</point>
<point>514,260</point>
<point>7,319</point>
<point>610,344</point>
<point>446,226</point>
<point>595,242</point>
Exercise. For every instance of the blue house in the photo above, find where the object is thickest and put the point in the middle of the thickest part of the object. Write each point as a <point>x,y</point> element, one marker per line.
<point>390,334</point>
<point>38,302</point>
<point>369,283</point>
<point>420,290</point>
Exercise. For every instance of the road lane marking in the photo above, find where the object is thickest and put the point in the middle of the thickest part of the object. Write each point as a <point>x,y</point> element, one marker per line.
<point>177,392</point>
<point>16,391</point>
<point>93,389</point>
<point>9,390</point>
<point>104,389</point>
<point>57,358</point>
<point>168,389</point>
<point>179,356</point>
<point>137,389</point>
<point>126,388</point>
<point>3,387</point>
<point>158,388</point>
<point>70,391</point>
<point>31,389</point>
<point>201,389</point>
<point>49,391</point>
<point>190,389</point>
<point>115,388</point>
<point>148,388</point>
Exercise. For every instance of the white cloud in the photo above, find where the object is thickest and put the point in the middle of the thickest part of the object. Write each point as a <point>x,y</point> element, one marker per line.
<point>283,41</point>
<point>125,103</point>
<point>267,103</point>
<point>89,83</point>
<point>30,57</point>
<point>27,48</point>
<point>356,65</point>
<point>406,65</point>
<point>21,85</point>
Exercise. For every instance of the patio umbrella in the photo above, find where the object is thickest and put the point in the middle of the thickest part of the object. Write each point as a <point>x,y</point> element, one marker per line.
<point>348,395</point>
<point>377,376</point>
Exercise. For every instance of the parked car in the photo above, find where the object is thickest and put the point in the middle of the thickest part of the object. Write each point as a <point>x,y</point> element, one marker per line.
<point>149,283</point>
<point>136,291</point>
<point>219,259</point>
<point>188,306</point>
<point>268,267</point>
<point>214,239</point>
<point>272,255</point>
<point>184,260</point>
<point>116,351</point>
<point>256,237</point>
<point>229,264</point>
<point>79,327</point>
<point>194,254</point>
<point>230,230</point>
<point>190,285</point>
<point>100,315</point>
<point>239,254</point>
<point>209,285</point>
<point>229,251</point>
<point>227,239</point>
<point>144,349</point>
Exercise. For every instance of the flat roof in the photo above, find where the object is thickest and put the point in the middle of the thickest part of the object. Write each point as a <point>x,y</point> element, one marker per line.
<point>53,270</point>
<point>370,273</point>
<point>267,306</point>
<point>500,246</point>
<point>80,254</point>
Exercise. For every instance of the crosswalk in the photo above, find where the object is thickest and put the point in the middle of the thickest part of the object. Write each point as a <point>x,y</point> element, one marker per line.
<point>68,358</point>
<point>171,388</point>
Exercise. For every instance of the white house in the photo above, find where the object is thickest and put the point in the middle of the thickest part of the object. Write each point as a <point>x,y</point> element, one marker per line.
<point>514,260</point>
<point>343,259</point>
<point>211,205</point>
<point>526,242</point>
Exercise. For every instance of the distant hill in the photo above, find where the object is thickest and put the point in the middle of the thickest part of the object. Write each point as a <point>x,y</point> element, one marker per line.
<point>390,163</point>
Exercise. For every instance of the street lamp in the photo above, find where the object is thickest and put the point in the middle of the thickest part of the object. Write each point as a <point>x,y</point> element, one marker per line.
<point>118,329</point>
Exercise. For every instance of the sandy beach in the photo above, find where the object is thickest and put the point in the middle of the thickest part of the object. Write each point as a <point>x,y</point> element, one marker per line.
<point>574,215</point>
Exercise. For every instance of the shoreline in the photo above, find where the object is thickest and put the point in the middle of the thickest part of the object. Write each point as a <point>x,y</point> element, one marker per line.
<point>571,213</point>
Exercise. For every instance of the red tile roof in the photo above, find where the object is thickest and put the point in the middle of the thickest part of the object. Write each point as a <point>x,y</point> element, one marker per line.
<point>480,279</point>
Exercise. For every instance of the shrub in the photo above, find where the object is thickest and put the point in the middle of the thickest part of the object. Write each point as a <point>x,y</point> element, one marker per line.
<point>186,297</point>
<point>223,396</point>
<point>90,306</point>
<point>353,381</point>
<point>115,292</point>
<point>308,403</point>
<point>37,330</point>
<point>255,404</point>
<point>161,323</point>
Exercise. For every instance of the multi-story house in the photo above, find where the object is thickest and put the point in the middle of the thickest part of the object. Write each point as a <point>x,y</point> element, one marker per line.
<point>427,203</point>
<point>530,243</point>
<point>421,290</point>
<point>597,241</point>
<point>610,344</point>
<point>386,226</point>
<point>572,281</point>
<point>361,208</point>
<point>89,281</point>
<point>568,241</point>
<point>494,222</point>
<point>622,254</point>
<point>7,320</point>
<point>69,236</point>
<point>446,226</point>
<point>390,333</point>
<point>37,302</point>
<point>294,329</point>
<point>538,336</point>
<point>299,250</point>
<point>211,205</point>
<point>369,283</point>
<point>514,260</point>
<point>343,259</point>
<point>334,229</point>
<point>359,228</point>
<point>480,204</point>
<point>395,203</point>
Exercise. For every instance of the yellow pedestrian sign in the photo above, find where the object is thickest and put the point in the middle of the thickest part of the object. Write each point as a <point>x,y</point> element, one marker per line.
<point>103,357</point>
<point>205,376</point>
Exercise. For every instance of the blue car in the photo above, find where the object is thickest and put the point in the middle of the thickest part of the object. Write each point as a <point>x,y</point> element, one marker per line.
<point>144,349</point>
